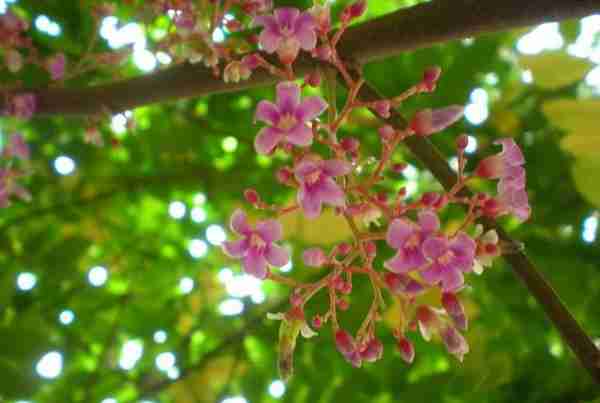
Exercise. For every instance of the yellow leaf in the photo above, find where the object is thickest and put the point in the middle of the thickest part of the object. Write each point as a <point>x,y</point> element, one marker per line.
<point>507,122</point>
<point>582,144</point>
<point>573,115</point>
<point>555,69</point>
<point>585,174</point>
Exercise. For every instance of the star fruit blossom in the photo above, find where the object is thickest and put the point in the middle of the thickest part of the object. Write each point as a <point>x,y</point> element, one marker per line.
<point>286,32</point>
<point>407,238</point>
<point>287,119</point>
<point>256,249</point>
<point>449,259</point>
<point>317,185</point>
<point>508,167</point>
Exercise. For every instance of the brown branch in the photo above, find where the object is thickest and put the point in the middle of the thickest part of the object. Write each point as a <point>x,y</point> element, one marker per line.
<point>407,29</point>
<point>572,333</point>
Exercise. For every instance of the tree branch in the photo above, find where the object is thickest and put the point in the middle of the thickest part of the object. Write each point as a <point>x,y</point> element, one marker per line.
<point>572,333</point>
<point>407,29</point>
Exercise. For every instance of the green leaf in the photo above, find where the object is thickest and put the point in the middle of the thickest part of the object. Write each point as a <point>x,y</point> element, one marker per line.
<point>553,70</point>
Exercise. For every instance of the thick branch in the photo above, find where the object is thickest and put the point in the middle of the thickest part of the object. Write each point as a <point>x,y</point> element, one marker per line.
<point>571,332</point>
<point>407,29</point>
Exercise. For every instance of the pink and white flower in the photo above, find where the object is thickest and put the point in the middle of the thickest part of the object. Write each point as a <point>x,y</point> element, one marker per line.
<point>286,32</point>
<point>317,185</point>
<point>407,238</point>
<point>256,249</point>
<point>449,259</point>
<point>287,119</point>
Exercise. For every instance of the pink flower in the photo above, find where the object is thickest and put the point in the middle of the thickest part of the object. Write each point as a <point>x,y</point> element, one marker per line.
<point>22,106</point>
<point>56,66</point>
<point>402,284</point>
<point>455,310</point>
<point>317,185</point>
<point>372,351</point>
<point>407,350</point>
<point>256,249</point>
<point>347,347</point>
<point>508,167</point>
<point>286,32</point>
<point>455,342</point>
<point>17,148</point>
<point>287,119</point>
<point>428,121</point>
<point>449,259</point>
<point>407,238</point>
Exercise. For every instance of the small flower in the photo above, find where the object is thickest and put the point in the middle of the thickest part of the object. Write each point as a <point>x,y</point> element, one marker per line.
<point>487,249</point>
<point>429,121</point>
<point>257,6</point>
<point>286,32</point>
<point>428,321</point>
<point>322,15</point>
<point>347,347</point>
<point>256,248</point>
<point>514,199</point>
<point>372,350</point>
<point>449,259</point>
<point>56,66</point>
<point>407,238</point>
<point>455,310</point>
<point>402,284</point>
<point>455,342</point>
<point>287,119</point>
<point>317,185</point>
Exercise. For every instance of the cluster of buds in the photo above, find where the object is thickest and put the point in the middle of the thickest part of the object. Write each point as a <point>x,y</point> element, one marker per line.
<point>427,256</point>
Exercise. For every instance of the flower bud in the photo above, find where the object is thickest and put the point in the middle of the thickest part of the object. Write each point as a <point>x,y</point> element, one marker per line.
<point>342,304</point>
<point>370,248</point>
<point>372,351</point>
<point>455,342</point>
<point>399,167</point>
<point>455,310</point>
<point>344,342</point>
<point>251,196</point>
<point>322,53</point>
<point>313,79</point>
<point>343,248</point>
<point>284,175</point>
<point>386,132</point>
<point>382,108</point>
<point>354,10</point>
<point>314,257</point>
<point>430,77</point>
<point>317,322</point>
<point>402,284</point>
<point>427,320</point>
<point>462,142</point>
<point>430,198</point>
<point>350,144</point>
<point>406,349</point>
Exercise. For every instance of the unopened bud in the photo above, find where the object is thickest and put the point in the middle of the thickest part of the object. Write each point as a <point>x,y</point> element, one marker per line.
<point>386,132</point>
<point>462,142</point>
<point>314,257</point>
<point>350,144</point>
<point>406,349</point>
<point>313,79</point>
<point>251,196</point>
<point>431,76</point>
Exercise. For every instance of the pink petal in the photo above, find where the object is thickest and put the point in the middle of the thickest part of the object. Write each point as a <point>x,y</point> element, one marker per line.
<point>235,249</point>
<point>330,192</point>
<point>314,257</point>
<point>435,246</point>
<point>277,256</point>
<point>286,16</point>
<point>398,264</point>
<point>310,108</point>
<point>511,152</point>
<point>269,40</point>
<point>288,96</point>
<point>432,274</point>
<point>255,264</point>
<point>267,112</point>
<point>451,280</point>
<point>267,21</point>
<point>269,230</point>
<point>444,117</point>
<point>398,231</point>
<point>301,135</point>
<point>336,167</point>
<point>429,221</point>
<point>464,250</point>
<point>239,222</point>
<point>304,31</point>
<point>310,204</point>
<point>304,168</point>
<point>267,139</point>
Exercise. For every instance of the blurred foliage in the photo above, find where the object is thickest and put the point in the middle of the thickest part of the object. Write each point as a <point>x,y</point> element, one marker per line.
<point>114,211</point>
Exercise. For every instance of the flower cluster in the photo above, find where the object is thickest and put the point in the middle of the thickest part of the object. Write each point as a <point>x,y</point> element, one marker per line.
<point>328,172</point>
<point>15,152</point>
